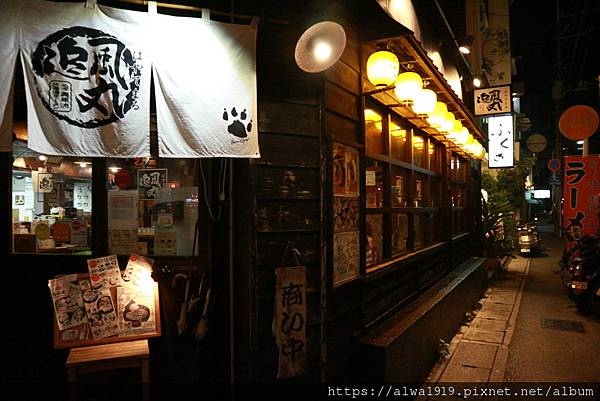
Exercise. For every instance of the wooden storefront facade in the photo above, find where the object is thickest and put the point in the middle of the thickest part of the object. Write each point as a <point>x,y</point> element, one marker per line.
<point>415,239</point>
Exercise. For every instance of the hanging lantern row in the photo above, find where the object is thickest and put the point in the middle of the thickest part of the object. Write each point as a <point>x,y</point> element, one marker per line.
<point>383,71</point>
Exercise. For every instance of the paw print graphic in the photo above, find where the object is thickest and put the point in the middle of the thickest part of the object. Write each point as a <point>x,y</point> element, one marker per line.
<point>238,127</point>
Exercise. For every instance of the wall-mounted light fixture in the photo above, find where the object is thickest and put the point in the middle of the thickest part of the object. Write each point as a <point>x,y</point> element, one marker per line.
<point>424,102</point>
<point>320,46</point>
<point>465,43</point>
<point>476,82</point>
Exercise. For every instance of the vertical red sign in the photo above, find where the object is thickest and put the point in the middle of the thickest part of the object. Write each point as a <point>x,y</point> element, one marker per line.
<point>581,196</point>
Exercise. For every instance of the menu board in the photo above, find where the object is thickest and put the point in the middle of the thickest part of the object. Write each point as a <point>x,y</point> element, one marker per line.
<point>106,305</point>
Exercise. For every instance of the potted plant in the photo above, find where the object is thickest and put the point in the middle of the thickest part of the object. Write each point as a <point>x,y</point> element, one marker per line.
<point>498,232</point>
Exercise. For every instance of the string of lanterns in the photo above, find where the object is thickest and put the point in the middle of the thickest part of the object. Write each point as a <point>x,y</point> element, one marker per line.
<point>383,71</point>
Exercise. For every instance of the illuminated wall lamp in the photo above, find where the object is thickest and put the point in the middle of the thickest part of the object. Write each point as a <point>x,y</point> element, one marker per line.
<point>408,85</point>
<point>382,68</point>
<point>454,133</point>
<point>425,102</point>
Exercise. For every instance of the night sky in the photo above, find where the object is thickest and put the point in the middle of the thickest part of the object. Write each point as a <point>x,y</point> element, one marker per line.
<point>533,41</point>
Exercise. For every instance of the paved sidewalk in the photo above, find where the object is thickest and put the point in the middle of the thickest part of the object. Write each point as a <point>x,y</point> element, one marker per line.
<point>479,351</point>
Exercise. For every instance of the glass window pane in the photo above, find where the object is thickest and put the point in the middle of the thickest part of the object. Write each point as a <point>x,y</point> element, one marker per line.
<point>435,189</point>
<point>399,187</point>
<point>153,206</point>
<point>398,141</point>
<point>399,234</point>
<point>373,131</point>
<point>418,150</point>
<point>374,183</point>
<point>433,156</point>
<point>51,203</point>
<point>420,224</point>
<point>374,251</point>
<point>435,228</point>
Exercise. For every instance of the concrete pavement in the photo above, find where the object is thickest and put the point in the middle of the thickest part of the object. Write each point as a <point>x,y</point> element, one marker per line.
<point>508,341</point>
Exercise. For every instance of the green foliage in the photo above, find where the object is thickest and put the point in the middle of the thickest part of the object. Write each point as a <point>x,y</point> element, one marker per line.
<point>498,229</point>
<point>509,185</point>
<point>469,316</point>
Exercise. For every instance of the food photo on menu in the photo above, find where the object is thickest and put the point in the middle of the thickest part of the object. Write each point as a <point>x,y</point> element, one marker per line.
<point>105,303</point>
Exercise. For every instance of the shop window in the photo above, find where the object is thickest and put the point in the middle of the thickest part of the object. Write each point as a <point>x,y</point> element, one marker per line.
<point>373,131</point>
<point>420,195</point>
<point>433,153</point>
<point>418,147</point>
<point>374,232</point>
<point>152,206</point>
<point>398,136</point>
<point>374,183</point>
<point>399,234</point>
<point>458,194</point>
<point>51,202</point>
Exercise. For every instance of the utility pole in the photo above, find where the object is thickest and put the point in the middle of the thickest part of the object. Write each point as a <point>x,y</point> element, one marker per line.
<point>558,91</point>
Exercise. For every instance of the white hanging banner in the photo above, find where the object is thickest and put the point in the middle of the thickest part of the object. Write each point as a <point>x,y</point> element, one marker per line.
<point>205,87</point>
<point>501,141</point>
<point>9,49</point>
<point>87,72</point>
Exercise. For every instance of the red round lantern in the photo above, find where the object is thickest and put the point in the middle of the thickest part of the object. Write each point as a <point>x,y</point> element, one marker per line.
<point>578,122</point>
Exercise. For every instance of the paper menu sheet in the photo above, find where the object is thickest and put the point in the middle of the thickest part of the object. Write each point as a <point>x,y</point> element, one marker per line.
<point>67,301</point>
<point>99,305</point>
<point>104,272</point>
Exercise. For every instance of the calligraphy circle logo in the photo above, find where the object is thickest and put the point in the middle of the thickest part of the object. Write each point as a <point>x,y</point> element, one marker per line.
<point>86,77</point>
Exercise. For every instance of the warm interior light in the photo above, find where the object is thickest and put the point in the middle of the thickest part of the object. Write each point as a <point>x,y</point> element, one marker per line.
<point>83,164</point>
<point>447,123</point>
<point>382,68</point>
<point>42,158</point>
<point>476,82</point>
<point>322,51</point>
<point>408,85</point>
<point>114,169</point>
<point>418,142</point>
<point>454,133</point>
<point>424,102</point>
<point>372,117</point>
<point>397,131</point>
<point>437,115</point>
<point>431,148</point>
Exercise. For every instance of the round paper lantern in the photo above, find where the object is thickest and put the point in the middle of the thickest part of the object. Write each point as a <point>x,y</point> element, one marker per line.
<point>425,102</point>
<point>437,115</point>
<point>382,68</point>
<point>448,122</point>
<point>408,85</point>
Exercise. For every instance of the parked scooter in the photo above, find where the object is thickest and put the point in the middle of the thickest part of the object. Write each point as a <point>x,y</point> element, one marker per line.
<point>583,269</point>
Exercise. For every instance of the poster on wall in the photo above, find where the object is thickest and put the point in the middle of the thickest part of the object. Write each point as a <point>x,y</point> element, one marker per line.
<point>346,214</point>
<point>345,170</point>
<point>289,321</point>
<point>100,310</point>
<point>82,196</point>
<point>150,182</point>
<point>87,73</point>
<point>346,258</point>
<point>45,182</point>
<point>165,241</point>
<point>500,141</point>
<point>122,242</point>
<point>135,300</point>
<point>581,193</point>
<point>122,210</point>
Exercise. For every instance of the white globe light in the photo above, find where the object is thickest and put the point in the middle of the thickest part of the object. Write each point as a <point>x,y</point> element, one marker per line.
<point>424,102</point>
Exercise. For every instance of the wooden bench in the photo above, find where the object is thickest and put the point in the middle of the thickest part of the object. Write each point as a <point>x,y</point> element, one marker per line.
<point>96,358</point>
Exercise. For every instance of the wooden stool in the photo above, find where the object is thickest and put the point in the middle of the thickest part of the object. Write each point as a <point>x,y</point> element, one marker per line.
<point>95,358</point>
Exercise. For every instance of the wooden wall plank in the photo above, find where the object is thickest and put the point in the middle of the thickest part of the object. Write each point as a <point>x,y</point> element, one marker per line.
<point>342,128</point>
<point>288,118</point>
<point>341,101</point>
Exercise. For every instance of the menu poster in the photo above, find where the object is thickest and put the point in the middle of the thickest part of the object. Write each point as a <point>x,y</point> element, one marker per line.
<point>67,301</point>
<point>104,272</point>
<point>122,242</point>
<point>135,310</point>
<point>345,170</point>
<point>351,171</point>
<point>339,169</point>
<point>138,271</point>
<point>100,309</point>
<point>346,214</point>
<point>165,241</point>
<point>122,210</point>
<point>345,256</point>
